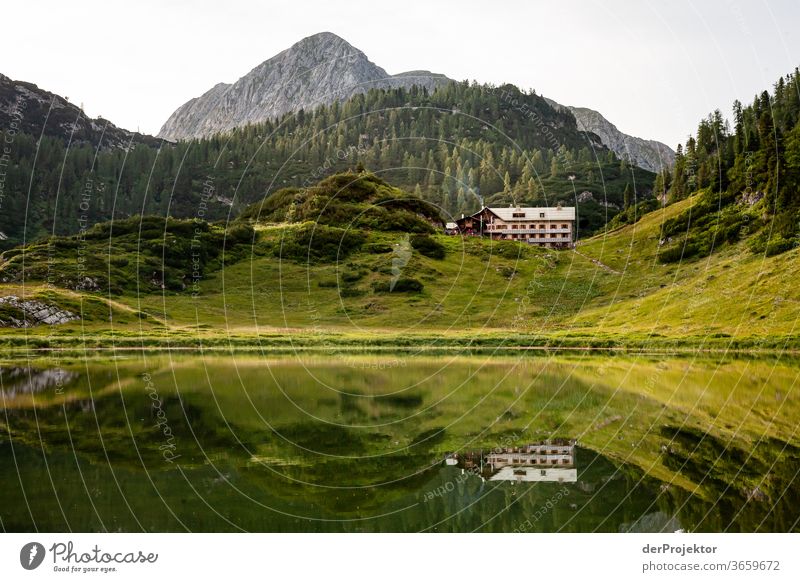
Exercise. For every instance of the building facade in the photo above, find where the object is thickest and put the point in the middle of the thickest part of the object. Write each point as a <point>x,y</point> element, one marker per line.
<point>552,227</point>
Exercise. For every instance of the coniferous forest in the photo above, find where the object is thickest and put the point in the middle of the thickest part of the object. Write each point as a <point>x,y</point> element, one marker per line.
<point>746,175</point>
<point>439,146</point>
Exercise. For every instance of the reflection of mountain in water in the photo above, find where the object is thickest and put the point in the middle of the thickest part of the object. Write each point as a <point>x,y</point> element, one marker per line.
<point>25,380</point>
<point>370,461</point>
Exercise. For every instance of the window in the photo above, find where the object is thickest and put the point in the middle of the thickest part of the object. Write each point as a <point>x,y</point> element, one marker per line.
<point>564,226</point>
<point>543,472</point>
<point>518,214</point>
<point>541,215</point>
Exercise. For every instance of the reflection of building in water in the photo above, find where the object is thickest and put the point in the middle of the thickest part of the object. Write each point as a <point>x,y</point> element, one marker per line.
<point>551,460</point>
<point>535,474</point>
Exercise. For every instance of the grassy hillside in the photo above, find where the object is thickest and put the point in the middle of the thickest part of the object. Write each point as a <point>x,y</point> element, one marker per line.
<point>351,200</point>
<point>368,272</point>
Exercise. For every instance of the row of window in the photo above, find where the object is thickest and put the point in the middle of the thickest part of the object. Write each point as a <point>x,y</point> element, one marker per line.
<point>525,226</point>
<point>531,461</point>
<point>522,215</point>
<point>533,236</point>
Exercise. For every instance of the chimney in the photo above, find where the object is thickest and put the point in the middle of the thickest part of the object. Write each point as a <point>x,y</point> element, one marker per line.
<point>462,215</point>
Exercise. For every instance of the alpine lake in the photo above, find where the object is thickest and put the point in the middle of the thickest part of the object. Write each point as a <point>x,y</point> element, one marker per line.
<point>299,442</point>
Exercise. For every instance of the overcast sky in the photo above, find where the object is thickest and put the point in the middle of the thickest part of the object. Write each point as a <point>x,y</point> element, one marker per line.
<point>653,68</point>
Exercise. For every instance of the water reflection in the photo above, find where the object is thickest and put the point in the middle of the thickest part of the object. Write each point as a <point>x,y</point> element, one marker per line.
<point>311,444</point>
<point>551,460</point>
<point>19,380</point>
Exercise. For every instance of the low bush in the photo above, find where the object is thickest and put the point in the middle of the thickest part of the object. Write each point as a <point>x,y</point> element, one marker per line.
<point>428,246</point>
<point>402,285</point>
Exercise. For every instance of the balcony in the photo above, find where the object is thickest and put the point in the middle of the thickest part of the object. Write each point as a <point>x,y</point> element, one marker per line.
<point>546,240</point>
<point>529,230</point>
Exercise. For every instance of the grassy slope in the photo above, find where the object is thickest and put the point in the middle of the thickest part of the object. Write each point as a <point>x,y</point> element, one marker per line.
<point>733,292</point>
<point>612,291</point>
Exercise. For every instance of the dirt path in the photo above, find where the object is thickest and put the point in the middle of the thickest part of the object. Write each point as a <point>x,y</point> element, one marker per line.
<point>598,263</point>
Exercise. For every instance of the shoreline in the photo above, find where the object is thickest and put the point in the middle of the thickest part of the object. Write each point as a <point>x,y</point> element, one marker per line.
<point>334,344</point>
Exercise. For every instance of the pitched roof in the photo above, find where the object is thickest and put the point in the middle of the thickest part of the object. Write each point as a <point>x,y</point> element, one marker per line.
<point>534,213</point>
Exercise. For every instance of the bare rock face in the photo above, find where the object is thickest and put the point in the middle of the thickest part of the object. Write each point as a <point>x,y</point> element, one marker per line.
<point>16,312</point>
<point>318,70</point>
<point>26,108</point>
<point>645,153</point>
<point>323,69</point>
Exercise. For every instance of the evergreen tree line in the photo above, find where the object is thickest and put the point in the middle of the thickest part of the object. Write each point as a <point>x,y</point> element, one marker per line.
<point>460,146</point>
<point>747,171</point>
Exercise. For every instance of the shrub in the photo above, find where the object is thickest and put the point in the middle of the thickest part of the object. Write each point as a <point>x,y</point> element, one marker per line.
<point>351,292</point>
<point>778,245</point>
<point>319,243</point>
<point>378,248</point>
<point>402,285</point>
<point>352,276</point>
<point>238,234</point>
<point>427,246</point>
<point>677,252</point>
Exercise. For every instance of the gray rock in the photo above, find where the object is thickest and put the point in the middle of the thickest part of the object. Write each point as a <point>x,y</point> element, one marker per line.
<point>318,70</point>
<point>34,313</point>
<point>645,153</point>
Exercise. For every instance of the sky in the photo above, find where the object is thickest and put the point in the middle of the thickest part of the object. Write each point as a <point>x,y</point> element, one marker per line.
<point>653,68</point>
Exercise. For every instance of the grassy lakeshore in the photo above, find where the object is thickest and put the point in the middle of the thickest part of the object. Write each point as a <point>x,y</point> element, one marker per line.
<point>295,285</point>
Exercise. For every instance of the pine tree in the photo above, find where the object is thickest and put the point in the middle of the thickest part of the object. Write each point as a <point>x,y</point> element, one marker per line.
<point>554,169</point>
<point>626,196</point>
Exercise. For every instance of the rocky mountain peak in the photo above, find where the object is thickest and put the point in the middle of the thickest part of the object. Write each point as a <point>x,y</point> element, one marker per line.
<point>316,70</point>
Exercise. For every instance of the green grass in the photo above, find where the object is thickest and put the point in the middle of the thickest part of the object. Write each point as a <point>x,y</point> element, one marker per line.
<point>313,285</point>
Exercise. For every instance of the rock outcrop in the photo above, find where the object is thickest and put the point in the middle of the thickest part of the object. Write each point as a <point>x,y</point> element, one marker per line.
<point>318,70</point>
<point>645,153</point>
<point>25,108</point>
<point>16,312</point>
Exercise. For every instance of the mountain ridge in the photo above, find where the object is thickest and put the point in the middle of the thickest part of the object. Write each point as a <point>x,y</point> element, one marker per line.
<point>27,108</point>
<point>266,93</point>
<point>649,154</point>
<point>317,70</point>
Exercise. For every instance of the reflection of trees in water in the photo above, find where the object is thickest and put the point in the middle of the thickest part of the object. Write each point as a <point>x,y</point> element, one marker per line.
<point>753,490</point>
<point>321,469</point>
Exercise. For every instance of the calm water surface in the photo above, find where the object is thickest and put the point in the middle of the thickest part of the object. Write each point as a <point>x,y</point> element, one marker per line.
<point>312,443</point>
